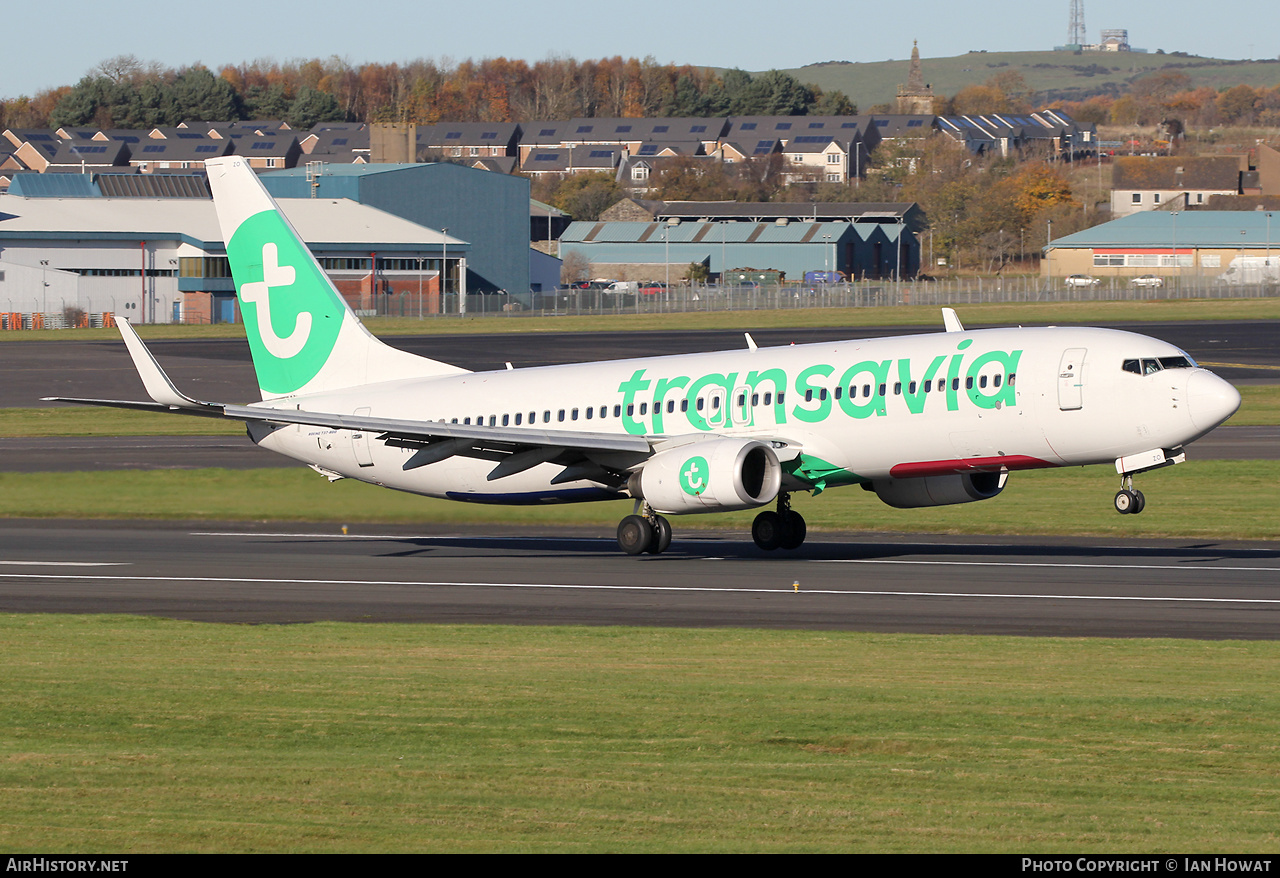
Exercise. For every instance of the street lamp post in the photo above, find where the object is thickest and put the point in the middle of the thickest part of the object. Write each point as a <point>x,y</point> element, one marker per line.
<point>1177,272</point>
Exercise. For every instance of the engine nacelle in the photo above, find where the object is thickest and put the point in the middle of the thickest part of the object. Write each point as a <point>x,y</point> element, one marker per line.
<point>939,490</point>
<point>717,475</point>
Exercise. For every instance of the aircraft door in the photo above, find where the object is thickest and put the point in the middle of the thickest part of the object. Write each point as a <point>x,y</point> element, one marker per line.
<point>717,413</point>
<point>740,410</point>
<point>360,442</point>
<point>1071,380</point>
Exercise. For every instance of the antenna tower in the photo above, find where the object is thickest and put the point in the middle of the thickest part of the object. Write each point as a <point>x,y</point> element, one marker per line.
<point>1075,30</point>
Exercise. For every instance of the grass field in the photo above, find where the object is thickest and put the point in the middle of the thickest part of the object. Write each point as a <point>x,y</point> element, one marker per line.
<point>141,735</point>
<point>1203,499</point>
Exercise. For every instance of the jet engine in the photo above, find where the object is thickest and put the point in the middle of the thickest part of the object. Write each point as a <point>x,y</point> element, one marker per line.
<point>939,490</point>
<point>715,475</point>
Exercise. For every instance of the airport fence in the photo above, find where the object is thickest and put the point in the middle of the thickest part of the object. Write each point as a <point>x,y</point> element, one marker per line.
<point>686,298</point>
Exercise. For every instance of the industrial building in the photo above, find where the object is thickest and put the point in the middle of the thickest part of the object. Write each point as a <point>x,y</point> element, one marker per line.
<point>663,239</point>
<point>1234,246</point>
<point>490,211</point>
<point>161,260</point>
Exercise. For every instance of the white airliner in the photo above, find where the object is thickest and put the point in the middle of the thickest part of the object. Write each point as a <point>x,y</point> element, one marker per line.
<point>922,420</point>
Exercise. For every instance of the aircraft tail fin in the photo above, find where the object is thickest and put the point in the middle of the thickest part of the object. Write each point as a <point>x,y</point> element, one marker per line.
<point>303,336</point>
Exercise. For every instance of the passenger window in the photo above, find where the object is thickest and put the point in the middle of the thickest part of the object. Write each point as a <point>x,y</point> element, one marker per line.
<point>1013,377</point>
<point>839,388</point>
<point>928,386</point>
<point>631,411</point>
<point>996,380</point>
<point>506,420</point>
<point>644,409</point>
<point>519,417</point>
<point>604,411</point>
<point>781,397</point>
<point>546,416</point>
<point>466,421</point>
<point>493,420</point>
<point>955,383</point>
<point>684,404</point>
<point>755,399</point>
<point>590,411</point>
<point>897,388</point>
<point>700,403</point>
<point>617,411</point>
<point>911,388</point>
<point>822,394</point>
<point>982,380</point>
<point>882,390</point>
<point>968,383</point>
<point>671,406</point>
<point>808,396</point>
<point>866,390</point>
<point>573,416</point>
<point>768,399</point>
<point>560,415</point>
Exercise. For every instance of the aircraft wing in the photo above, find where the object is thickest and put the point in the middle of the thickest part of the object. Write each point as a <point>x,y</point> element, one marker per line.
<point>514,449</point>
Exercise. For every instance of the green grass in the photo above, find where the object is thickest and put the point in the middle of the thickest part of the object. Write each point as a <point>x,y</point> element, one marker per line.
<point>876,82</point>
<point>1205,499</point>
<point>102,421</point>
<point>142,735</point>
<point>1075,313</point>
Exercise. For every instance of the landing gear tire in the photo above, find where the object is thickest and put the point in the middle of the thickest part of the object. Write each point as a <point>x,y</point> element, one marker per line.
<point>661,536</point>
<point>794,530</point>
<point>768,530</point>
<point>1127,502</point>
<point>1140,502</point>
<point>635,534</point>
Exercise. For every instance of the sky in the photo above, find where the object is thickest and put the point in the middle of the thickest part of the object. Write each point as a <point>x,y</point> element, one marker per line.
<point>39,52</point>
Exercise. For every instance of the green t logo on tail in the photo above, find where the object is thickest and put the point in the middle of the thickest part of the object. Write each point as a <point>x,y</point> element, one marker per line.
<point>291,314</point>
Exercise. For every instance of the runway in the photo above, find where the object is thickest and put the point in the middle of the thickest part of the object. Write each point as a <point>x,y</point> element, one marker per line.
<point>969,585</point>
<point>301,573</point>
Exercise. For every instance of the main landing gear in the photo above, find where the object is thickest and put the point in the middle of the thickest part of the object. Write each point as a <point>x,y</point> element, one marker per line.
<point>784,529</point>
<point>644,531</point>
<point>1129,501</point>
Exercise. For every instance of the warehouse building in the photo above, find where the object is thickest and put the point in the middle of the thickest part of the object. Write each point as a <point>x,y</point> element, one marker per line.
<point>1234,246</point>
<point>663,239</point>
<point>162,260</point>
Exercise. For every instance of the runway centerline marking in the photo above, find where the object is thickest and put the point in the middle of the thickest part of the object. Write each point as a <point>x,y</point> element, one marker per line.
<point>786,589</point>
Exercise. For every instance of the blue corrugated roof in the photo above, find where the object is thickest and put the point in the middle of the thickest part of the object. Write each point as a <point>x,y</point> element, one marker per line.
<point>54,186</point>
<point>1192,228</point>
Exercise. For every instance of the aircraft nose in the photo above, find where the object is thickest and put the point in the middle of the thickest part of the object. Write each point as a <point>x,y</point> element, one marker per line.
<point>1210,400</point>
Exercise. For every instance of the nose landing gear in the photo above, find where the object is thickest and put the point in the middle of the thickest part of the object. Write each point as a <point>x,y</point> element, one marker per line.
<point>1129,501</point>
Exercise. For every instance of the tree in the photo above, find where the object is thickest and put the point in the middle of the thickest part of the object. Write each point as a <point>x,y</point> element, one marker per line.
<point>575,267</point>
<point>312,106</point>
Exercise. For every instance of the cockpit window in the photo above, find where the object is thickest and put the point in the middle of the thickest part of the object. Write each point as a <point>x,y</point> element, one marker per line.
<point>1153,365</point>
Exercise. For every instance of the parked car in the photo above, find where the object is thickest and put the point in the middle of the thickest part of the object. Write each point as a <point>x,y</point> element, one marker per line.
<point>1147,280</point>
<point>1082,280</point>
<point>652,288</point>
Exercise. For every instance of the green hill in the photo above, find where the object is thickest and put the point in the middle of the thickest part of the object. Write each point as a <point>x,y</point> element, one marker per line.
<point>1053,75</point>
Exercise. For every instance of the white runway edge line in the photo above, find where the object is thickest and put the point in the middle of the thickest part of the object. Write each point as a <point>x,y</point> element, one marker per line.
<point>691,537</point>
<point>647,588</point>
<point>65,563</point>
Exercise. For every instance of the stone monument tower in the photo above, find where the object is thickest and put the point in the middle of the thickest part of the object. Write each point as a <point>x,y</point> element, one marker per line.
<point>916,97</point>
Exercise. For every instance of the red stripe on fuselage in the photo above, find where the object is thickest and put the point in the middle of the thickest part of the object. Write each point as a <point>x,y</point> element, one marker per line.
<point>967,465</point>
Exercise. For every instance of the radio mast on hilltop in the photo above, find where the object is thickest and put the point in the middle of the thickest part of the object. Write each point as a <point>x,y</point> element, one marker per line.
<point>1075,30</point>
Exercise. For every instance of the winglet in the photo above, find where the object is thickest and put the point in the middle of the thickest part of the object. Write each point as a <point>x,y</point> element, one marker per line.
<point>157,383</point>
<point>951,321</point>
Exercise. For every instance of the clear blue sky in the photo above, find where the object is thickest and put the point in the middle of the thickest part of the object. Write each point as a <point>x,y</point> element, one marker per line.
<point>41,51</point>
